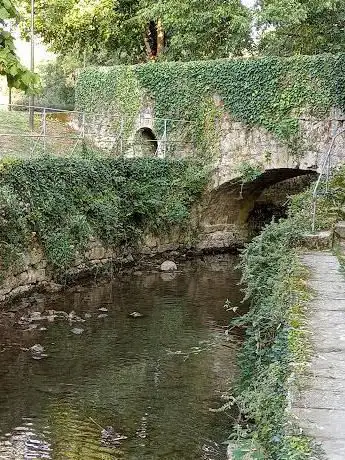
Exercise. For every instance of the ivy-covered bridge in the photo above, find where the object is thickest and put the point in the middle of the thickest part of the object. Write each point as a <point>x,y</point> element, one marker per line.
<point>255,122</point>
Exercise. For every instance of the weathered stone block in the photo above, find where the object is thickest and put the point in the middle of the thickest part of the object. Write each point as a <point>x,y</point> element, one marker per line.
<point>36,256</point>
<point>340,230</point>
<point>23,279</point>
<point>318,241</point>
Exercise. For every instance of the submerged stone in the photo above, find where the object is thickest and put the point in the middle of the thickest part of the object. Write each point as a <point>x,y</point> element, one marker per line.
<point>37,351</point>
<point>136,314</point>
<point>77,330</point>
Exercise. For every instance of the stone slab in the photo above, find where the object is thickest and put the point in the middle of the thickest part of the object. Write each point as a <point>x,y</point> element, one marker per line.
<point>323,424</point>
<point>321,399</point>
<point>325,383</point>
<point>320,406</point>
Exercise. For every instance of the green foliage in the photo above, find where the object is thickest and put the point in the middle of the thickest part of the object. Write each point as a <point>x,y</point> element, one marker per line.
<point>249,172</point>
<point>276,345</point>
<point>270,92</point>
<point>330,203</point>
<point>129,31</point>
<point>196,31</point>
<point>301,26</point>
<point>57,84</point>
<point>17,75</point>
<point>62,203</point>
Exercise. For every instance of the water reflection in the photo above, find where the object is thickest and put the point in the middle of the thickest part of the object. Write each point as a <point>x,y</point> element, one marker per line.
<point>152,378</point>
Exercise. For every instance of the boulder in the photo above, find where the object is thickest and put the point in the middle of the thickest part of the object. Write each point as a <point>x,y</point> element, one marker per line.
<point>168,266</point>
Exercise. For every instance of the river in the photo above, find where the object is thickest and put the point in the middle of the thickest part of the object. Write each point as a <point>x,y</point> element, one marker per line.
<point>131,370</point>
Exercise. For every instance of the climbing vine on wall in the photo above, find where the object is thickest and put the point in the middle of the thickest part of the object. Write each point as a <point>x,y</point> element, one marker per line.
<point>268,92</point>
<point>60,203</point>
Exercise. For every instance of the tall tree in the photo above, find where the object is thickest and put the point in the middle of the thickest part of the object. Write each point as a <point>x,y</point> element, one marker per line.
<point>140,30</point>
<point>301,26</point>
<point>17,75</point>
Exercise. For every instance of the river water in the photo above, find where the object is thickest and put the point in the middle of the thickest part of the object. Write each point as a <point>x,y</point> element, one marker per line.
<point>107,375</point>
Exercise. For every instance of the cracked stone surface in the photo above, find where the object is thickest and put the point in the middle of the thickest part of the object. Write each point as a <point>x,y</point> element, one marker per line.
<point>320,407</point>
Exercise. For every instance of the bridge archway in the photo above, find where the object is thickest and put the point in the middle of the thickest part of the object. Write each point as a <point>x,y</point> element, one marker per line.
<point>234,208</point>
<point>146,142</point>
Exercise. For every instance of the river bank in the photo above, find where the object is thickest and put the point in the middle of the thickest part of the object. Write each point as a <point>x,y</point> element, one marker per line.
<point>277,349</point>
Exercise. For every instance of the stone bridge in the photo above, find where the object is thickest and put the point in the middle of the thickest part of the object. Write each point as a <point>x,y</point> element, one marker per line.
<point>233,208</point>
<point>301,95</point>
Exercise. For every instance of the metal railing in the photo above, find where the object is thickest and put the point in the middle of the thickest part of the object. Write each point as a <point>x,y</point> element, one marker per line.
<point>325,170</point>
<point>105,130</point>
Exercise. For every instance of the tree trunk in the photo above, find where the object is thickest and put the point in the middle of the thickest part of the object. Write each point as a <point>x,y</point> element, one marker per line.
<point>154,39</point>
<point>10,98</point>
<point>160,38</point>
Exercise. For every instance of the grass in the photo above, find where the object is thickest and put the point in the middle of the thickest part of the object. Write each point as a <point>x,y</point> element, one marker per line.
<point>15,140</point>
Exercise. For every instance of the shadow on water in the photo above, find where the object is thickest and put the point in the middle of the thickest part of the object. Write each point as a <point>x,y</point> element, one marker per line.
<point>152,378</point>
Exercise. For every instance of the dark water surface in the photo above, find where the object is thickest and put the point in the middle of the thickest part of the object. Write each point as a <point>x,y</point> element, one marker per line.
<point>153,379</point>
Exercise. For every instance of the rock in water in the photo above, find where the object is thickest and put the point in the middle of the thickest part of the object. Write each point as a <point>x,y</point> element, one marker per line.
<point>37,348</point>
<point>77,330</point>
<point>37,351</point>
<point>168,266</point>
<point>135,314</point>
<point>110,437</point>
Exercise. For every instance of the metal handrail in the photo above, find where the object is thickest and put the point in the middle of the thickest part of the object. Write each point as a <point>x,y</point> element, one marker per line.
<point>100,114</point>
<point>326,167</point>
<point>87,129</point>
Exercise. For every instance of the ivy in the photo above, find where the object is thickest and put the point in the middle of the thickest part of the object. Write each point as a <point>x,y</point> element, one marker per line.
<point>276,346</point>
<point>62,203</point>
<point>269,92</point>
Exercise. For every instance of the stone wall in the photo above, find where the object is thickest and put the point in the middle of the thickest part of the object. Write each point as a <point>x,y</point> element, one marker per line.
<point>239,143</point>
<point>236,142</point>
<point>33,271</point>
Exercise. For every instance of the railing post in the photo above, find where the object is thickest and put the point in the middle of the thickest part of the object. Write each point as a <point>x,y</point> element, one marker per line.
<point>44,129</point>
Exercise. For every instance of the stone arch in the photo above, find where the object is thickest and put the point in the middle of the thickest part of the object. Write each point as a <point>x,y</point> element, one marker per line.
<point>227,209</point>
<point>145,142</point>
<point>274,199</point>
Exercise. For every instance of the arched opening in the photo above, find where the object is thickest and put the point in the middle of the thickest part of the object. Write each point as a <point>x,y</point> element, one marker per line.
<point>243,209</point>
<point>145,142</point>
<point>273,201</point>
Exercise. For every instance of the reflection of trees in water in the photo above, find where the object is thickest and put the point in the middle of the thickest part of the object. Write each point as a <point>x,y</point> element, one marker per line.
<point>120,372</point>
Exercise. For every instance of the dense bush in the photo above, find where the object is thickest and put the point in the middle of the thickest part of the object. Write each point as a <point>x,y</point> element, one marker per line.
<point>63,202</point>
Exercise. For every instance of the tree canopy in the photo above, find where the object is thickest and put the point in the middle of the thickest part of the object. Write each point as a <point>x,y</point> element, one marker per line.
<point>17,75</point>
<point>289,27</point>
<point>133,31</point>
